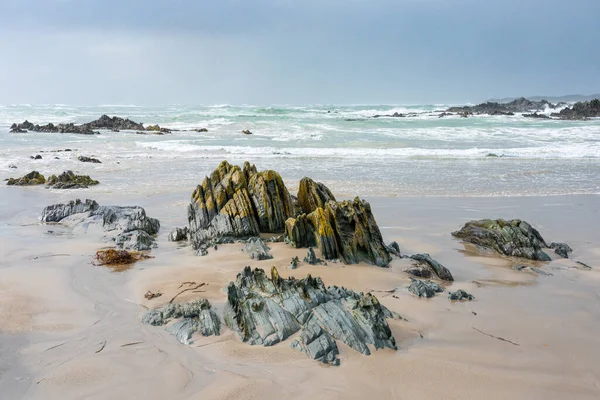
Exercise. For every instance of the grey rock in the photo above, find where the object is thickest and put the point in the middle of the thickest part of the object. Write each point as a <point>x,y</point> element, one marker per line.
<point>137,240</point>
<point>562,249</point>
<point>265,310</point>
<point>58,212</point>
<point>441,271</point>
<point>512,238</point>
<point>460,295</point>
<point>294,263</point>
<point>178,235</point>
<point>257,249</point>
<point>394,249</point>
<point>420,272</point>
<point>424,288</point>
<point>196,316</point>
<point>311,257</point>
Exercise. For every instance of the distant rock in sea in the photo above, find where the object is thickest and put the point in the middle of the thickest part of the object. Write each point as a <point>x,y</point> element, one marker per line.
<point>580,111</point>
<point>516,106</point>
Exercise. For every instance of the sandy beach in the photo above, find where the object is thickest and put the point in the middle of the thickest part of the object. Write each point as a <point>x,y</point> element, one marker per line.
<point>72,330</point>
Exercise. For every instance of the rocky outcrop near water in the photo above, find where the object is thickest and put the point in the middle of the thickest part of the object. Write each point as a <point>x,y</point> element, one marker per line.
<point>129,227</point>
<point>31,179</point>
<point>235,202</point>
<point>425,260</point>
<point>195,316</point>
<point>114,124</point>
<point>514,238</point>
<point>520,105</point>
<point>157,129</point>
<point>536,115</point>
<point>265,310</point>
<point>580,111</point>
<point>68,180</point>
<point>89,159</point>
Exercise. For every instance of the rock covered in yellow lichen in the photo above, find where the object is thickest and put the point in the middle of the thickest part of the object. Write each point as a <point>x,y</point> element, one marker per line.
<point>312,195</point>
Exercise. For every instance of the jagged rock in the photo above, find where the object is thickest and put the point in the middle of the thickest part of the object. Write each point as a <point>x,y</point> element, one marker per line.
<point>178,235</point>
<point>257,249</point>
<point>311,257</point>
<point>424,288</point>
<point>238,203</point>
<point>460,295</point>
<point>68,180</point>
<point>88,159</point>
<point>441,271</point>
<point>512,238</point>
<point>492,108</point>
<point>536,115</point>
<point>115,123</point>
<point>562,249</point>
<point>104,122</point>
<point>300,232</point>
<point>129,227</point>
<point>32,178</point>
<point>295,262</point>
<point>313,195</point>
<point>137,240</point>
<point>394,248</point>
<point>420,272</point>
<point>580,111</point>
<point>14,128</point>
<point>197,316</point>
<point>36,157</point>
<point>265,311</point>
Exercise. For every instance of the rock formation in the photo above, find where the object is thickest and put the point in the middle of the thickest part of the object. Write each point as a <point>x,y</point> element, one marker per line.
<point>425,260</point>
<point>196,316</point>
<point>239,202</point>
<point>520,105</point>
<point>580,111</point>
<point>128,227</point>
<point>104,122</point>
<point>424,288</point>
<point>32,178</point>
<point>257,249</point>
<point>264,310</point>
<point>68,180</point>
<point>88,159</point>
<point>562,249</point>
<point>512,238</point>
<point>460,295</point>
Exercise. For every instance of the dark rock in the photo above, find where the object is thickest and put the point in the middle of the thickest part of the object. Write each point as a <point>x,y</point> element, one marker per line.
<point>37,157</point>
<point>520,105</point>
<point>444,114</point>
<point>246,132</point>
<point>13,166</point>
<point>424,288</point>
<point>394,249</point>
<point>584,265</point>
<point>265,311</point>
<point>441,271</point>
<point>580,111</point>
<point>536,115</point>
<point>32,178</point>
<point>311,257</point>
<point>196,316</point>
<point>512,238</point>
<point>200,130</point>
<point>157,129</point>
<point>562,249</point>
<point>178,235</point>
<point>115,123</point>
<point>68,180</point>
<point>257,249</point>
<point>492,155</point>
<point>295,262</point>
<point>88,159</point>
<point>14,128</point>
<point>420,272</point>
<point>460,295</point>
<point>313,195</point>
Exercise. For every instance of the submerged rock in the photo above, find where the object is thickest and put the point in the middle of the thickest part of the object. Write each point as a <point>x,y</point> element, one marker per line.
<point>512,238</point>
<point>265,310</point>
<point>562,249</point>
<point>257,249</point>
<point>460,295</point>
<point>196,316</point>
<point>129,227</point>
<point>535,270</point>
<point>68,180</point>
<point>31,179</point>
<point>442,272</point>
<point>424,288</point>
<point>88,159</point>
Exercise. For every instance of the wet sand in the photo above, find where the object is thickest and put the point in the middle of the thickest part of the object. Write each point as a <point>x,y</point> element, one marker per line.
<point>72,330</point>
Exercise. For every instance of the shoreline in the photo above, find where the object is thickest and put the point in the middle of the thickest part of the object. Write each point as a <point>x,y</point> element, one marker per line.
<point>551,318</point>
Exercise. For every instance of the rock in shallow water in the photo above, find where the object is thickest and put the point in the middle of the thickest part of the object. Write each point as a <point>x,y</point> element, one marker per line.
<point>562,249</point>
<point>267,310</point>
<point>442,272</point>
<point>32,178</point>
<point>512,238</point>
<point>460,295</point>
<point>68,180</point>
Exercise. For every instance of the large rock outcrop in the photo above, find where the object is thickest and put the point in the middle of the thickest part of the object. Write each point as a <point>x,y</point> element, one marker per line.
<point>104,122</point>
<point>239,202</point>
<point>512,238</point>
<point>129,227</point>
<point>519,105</point>
<point>580,111</point>
<point>264,310</point>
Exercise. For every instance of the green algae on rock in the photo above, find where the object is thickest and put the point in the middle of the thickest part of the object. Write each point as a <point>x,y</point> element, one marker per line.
<point>31,179</point>
<point>68,180</point>
<point>511,238</point>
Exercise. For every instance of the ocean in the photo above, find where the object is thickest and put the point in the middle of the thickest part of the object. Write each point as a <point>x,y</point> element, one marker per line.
<point>342,146</point>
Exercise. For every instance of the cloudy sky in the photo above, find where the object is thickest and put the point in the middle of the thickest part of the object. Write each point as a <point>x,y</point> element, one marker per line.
<point>295,51</point>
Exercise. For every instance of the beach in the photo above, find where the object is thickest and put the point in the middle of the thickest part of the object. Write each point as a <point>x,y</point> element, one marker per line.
<point>73,330</point>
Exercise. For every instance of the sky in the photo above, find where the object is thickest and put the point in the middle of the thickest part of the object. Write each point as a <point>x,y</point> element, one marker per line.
<point>156,52</point>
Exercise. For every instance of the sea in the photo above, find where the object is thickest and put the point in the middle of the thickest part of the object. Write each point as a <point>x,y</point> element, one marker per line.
<point>347,147</point>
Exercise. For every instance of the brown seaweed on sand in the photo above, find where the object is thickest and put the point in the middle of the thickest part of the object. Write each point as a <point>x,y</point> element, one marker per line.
<point>119,260</point>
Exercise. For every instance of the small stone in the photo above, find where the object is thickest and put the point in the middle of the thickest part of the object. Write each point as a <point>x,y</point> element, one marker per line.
<point>460,295</point>
<point>294,263</point>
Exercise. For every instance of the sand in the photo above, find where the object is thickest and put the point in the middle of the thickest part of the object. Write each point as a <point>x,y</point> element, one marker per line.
<point>72,330</point>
